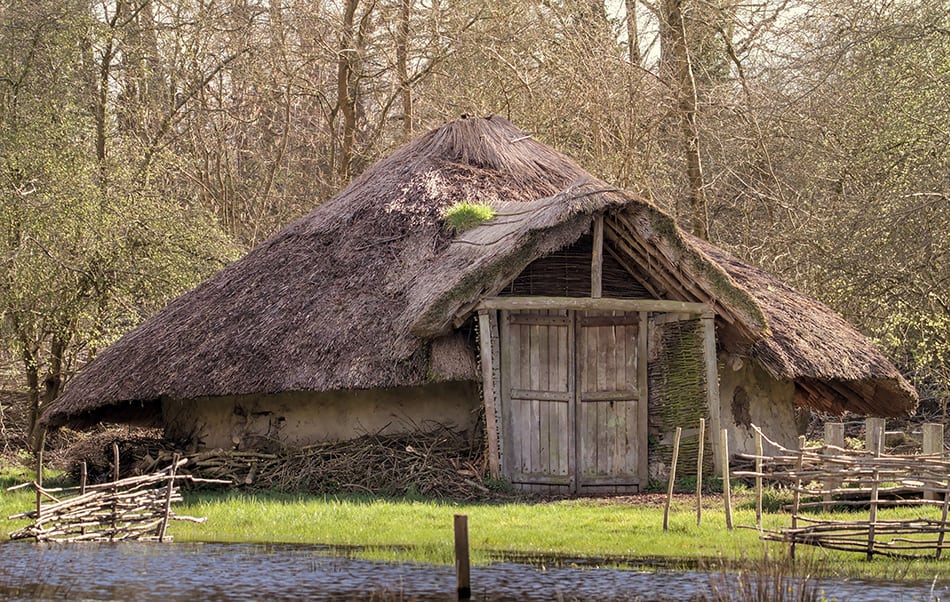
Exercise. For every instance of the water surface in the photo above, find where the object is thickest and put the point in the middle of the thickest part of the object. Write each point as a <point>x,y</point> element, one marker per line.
<point>187,572</point>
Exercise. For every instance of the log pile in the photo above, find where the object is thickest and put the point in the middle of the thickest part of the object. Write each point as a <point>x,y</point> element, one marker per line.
<point>436,463</point>
<point>827,476</point>
<point>135,508</point>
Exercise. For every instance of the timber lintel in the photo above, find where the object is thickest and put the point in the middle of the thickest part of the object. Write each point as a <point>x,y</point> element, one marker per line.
<point>602,304</point>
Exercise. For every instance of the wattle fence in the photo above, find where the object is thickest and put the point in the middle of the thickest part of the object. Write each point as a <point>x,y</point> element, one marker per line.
<point>831,476</point>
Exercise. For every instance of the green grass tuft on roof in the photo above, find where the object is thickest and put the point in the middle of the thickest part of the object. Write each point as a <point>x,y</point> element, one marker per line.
<point>464,215</point>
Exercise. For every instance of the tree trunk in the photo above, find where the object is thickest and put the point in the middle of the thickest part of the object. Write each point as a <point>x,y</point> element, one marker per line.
<point>680,68</point>
<point>346,89</point>
<point>633,33</point>
<point>402,68</point>
<point>32,371</point>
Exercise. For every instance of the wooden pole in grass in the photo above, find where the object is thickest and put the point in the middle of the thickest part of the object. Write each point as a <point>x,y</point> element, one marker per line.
<point>943,521</point>
<point>462,567</point>
<point>933,444</point>
<point>699,471</point>
<point>758,479</point>
<point>115,489</point>
<point>168,498</point>
<point>83,477</point>
<point>726,490</point>
<point>669,488</point>
<point>878,442</point>
<point>39,482</point>
<point>797,495</point>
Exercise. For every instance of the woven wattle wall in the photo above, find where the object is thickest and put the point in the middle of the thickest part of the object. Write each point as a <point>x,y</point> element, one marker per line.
<point>566,273</point>
<point>677,397</point>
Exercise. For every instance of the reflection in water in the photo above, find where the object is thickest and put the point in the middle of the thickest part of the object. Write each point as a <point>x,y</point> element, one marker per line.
<point>171,572</point>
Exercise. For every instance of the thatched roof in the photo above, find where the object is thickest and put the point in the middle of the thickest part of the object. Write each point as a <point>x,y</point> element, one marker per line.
<point>834,366</point>
<point>355,294</point>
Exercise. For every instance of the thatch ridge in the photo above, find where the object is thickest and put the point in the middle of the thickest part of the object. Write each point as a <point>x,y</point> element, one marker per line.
<point>353,295</point>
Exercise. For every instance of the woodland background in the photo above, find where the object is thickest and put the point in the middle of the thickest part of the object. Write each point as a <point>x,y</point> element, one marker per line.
<point>145,143</point>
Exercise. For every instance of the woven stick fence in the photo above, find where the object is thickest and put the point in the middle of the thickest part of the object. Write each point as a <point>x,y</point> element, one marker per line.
<point>833,476</point>
<point>135,508</point>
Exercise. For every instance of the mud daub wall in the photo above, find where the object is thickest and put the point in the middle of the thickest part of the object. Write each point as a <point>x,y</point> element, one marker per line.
<point>295,419</point>
<point>749,395</point>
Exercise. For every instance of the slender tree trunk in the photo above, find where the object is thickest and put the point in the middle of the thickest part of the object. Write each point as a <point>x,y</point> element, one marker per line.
<point>633,32</point>
<point>346,89</point>
<point>102,99</point>
<point>402,68</point>
<point>31,370</point>
<point>33,393</point>
<point>684,87</point>
<point>102,96</point>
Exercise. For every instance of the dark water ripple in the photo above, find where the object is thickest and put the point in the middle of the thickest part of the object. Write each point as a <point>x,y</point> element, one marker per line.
<point>186,572</point>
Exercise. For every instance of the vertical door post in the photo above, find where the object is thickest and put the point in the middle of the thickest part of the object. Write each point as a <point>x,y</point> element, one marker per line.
<point>712,384</point>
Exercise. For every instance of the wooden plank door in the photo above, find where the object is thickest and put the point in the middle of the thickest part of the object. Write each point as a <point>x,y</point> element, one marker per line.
<point>574,411</point>
<point>538,399</point>
<point>610,419</point>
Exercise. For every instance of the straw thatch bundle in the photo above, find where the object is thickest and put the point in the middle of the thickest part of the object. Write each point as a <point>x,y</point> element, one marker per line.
<point>356,294</point>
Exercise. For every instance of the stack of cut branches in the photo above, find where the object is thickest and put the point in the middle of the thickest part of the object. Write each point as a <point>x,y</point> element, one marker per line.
<point>440,463</point>
<point>133,508</point>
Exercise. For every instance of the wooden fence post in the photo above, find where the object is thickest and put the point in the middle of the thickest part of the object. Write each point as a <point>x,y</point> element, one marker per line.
<point>699,471</point>
<point>168,498</point>
<point>83,477</point>
<point>726,490</point>
<point>115,490</point>
<point>933,445</point>
<point>878,442</point>
<point>797,494</point>
<point>462,568</point>
<point>39,482</point>
<point>758,479</point>
<point>943,521</point>
<point>874,430</point>
<point>669,487</point>
<point>834,436</point>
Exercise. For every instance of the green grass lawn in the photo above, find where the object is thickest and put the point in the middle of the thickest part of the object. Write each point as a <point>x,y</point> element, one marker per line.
<point>607,531</point>
<point>14,502</point>
<point>589,528</point>
<point>601,529</point>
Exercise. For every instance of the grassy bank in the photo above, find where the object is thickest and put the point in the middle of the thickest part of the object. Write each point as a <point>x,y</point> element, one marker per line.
<point>617,531</point>
<point>586,528</point>
<point>609,531</point>
<point>14,502</point>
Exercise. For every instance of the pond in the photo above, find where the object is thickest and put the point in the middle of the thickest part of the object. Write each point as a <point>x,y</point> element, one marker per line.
<point>171,572</point>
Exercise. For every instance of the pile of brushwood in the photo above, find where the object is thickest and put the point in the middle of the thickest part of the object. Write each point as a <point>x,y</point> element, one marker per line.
<point>434,463</point>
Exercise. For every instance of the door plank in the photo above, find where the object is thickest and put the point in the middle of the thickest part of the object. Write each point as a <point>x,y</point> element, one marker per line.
<point>600,356</point>
<point>534,357</point>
